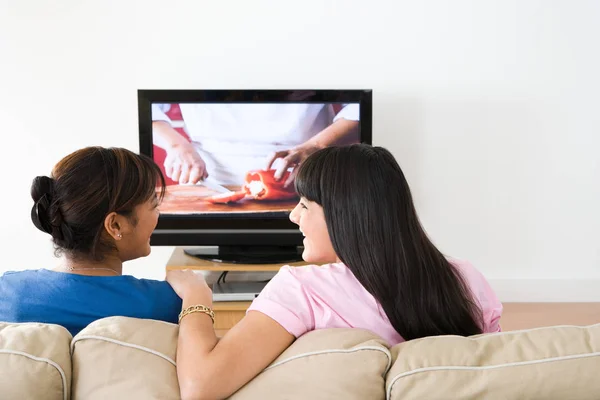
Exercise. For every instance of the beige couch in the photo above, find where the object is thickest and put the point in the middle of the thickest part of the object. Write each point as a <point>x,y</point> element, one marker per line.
<point>124,358</point>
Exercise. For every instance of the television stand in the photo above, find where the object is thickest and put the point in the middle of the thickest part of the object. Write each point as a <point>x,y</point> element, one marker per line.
<point>248,255</point>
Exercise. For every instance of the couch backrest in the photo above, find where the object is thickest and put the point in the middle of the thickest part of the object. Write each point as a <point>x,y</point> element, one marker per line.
<point>327,364</point>
<point>121,357</point>
<point>544,363</point>
<point>117,356</point>
<point>34,361</point>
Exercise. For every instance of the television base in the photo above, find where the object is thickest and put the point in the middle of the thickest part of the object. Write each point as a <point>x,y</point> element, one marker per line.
<point>248,254</point>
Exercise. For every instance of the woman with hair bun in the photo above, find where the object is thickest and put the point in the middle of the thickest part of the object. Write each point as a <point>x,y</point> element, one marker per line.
<point>100,207</point>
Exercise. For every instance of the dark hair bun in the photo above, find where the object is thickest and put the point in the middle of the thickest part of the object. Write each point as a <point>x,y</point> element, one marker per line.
<point>45,214</point>
<point>41,185</point>
<point>42,191</point>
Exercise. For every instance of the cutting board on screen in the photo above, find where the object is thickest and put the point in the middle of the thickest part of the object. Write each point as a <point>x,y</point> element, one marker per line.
<point>186,199</point>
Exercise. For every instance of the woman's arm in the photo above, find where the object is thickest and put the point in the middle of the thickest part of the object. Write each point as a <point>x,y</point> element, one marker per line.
<point>208,368</point>
<point>183,163</point>
<point>166,137</point>
<point>338,132</point>
<point>335,133</point>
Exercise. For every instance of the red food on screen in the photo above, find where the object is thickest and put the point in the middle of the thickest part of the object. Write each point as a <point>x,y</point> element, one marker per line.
<point>261,185</point>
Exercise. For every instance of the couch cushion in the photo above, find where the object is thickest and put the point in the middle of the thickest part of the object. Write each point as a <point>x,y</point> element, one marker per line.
<point>120,357</point>
<point>325,364</point>
<point>35,361</point>
<point>542,363</point>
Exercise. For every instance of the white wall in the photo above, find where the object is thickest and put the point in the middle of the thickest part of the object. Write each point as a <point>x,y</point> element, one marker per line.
<point>490,107</point>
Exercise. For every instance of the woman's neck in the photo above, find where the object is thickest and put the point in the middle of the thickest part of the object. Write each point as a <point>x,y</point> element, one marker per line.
<point>110,266</point>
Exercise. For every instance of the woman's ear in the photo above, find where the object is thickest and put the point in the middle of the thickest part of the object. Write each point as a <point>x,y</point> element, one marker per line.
<point>114,224</point>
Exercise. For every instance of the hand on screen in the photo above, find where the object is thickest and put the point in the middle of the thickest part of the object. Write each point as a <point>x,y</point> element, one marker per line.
<point>184,165</point>
<point>289,159</point>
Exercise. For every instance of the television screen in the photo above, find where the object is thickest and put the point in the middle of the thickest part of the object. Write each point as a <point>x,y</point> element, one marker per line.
<point>241,158</point>
<point>230,158</point>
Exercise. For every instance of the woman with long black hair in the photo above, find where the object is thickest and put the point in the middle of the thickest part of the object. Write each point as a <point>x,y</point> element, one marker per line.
<point>373,268</point>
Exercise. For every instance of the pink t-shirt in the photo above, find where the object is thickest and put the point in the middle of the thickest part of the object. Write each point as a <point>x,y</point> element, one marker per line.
<point>302,299</point>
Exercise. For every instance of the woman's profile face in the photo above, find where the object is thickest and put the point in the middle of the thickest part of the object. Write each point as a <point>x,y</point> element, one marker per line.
<point>135,241</point>
<point>317,244</point>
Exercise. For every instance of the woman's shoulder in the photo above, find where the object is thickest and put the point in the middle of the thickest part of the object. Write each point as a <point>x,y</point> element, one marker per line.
<point>469,272</point>
<point>23,271</point>
<point>466,268</point>
<point>311,270</point>
<point>150,294</point>
<point>149,284</point>
<point>25,274</point>
<point>317,276</point>
<point>460,262</point>
<point>124,282</point>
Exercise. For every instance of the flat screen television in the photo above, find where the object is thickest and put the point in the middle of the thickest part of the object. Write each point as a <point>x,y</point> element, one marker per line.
<point>220,151</point>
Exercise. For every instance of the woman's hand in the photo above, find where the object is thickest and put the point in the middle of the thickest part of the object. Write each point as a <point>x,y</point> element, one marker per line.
<point>189,284</point>
<point>290,159</point>
<point>184,164</point>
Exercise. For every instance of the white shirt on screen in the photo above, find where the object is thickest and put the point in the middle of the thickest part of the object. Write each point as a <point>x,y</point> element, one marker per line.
<point>235,138</point>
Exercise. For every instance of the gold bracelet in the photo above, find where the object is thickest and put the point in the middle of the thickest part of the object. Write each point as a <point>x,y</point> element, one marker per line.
<point>198,308</point>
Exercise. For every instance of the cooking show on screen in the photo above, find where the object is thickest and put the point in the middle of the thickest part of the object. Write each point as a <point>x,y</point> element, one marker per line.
<point>242,158</point>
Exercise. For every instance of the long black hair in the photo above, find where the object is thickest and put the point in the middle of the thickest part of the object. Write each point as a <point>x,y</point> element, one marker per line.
<point>375,231</point>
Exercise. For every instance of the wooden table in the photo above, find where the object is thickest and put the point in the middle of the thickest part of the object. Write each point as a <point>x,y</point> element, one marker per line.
<point>191,199</point>
<point>227,313</point>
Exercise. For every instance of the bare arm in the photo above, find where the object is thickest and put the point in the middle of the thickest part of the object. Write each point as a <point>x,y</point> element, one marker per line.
<point>212,369</point>
<point>166,137</point>
<point>340,132</point>
<point>183,163</point>
<point>208,368</point>
<point>335,133</point>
